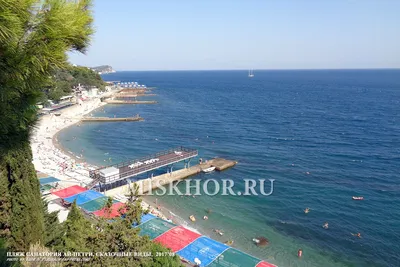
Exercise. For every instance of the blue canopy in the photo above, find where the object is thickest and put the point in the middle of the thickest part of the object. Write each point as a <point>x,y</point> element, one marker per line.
<point>48,180</point>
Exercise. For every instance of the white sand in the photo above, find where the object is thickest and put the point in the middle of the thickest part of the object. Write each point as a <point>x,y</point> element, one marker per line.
<point>48,159</point>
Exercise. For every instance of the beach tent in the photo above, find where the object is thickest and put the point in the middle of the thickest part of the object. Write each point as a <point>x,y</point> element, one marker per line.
<point>234,257</point>
<point>193,247</point>
<point>83,197</point>
<point>69,191</point>
<point>48,180</point>
<point>265,264</point>
<point>145,218</point>
<point>155,227</point>
<point>203,248</point>
<point>114,212</point>
<point>96,204</point>
<point>177,238</point>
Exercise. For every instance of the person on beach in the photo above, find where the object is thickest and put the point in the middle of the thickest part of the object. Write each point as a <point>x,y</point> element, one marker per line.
<point>300,253</point>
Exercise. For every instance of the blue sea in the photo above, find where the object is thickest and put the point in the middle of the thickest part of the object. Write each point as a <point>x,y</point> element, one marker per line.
<point>324,136</point>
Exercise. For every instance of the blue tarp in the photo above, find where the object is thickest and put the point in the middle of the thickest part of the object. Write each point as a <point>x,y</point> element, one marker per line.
<point>48,180</point>
<point>145,218</point>
<point>84,197</point>
<point>203,248</point>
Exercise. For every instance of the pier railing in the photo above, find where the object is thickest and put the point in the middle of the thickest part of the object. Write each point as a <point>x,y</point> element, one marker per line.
<point>173,158</point>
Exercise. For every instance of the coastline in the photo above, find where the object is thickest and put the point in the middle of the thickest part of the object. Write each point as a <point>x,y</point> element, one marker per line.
<point>49,155</point>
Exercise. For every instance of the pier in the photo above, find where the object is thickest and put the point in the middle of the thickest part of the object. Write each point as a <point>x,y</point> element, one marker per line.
<point>153,183</point>
<point>122,171</point>
<point>134,90</point>
<point>113,101</point>
<point>127,95</point>
<point>106,119</point>
<point>128,169</point>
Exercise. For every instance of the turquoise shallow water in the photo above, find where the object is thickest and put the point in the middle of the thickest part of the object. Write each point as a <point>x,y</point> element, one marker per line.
<point>341,126</point>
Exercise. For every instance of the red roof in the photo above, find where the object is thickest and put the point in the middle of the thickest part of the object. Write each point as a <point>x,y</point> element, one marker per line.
<point>115,211</point>
<point>69,191</point>
<point>177,238</point>
<point>265,264</point>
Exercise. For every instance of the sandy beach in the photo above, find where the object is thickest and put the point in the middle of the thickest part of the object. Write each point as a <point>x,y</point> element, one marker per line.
<point>51,158</point>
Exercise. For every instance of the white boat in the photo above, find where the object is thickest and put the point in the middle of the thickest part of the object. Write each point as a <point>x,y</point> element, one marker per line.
<point>251,75</point>
<point>210,169</point>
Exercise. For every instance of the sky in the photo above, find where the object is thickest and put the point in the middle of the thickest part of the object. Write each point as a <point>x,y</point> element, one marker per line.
<point>244,34</point>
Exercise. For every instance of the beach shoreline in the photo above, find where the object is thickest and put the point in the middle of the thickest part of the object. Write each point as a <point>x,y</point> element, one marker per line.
<point>49,154</point>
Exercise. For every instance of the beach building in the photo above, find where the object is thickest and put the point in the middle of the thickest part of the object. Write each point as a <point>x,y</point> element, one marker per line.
<point>66,99</point>
<point>109,177</point>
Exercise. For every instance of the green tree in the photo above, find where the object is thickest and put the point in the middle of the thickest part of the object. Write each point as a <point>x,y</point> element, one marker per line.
<point>34,38</point>
<point>53,228</point>
<point>76,231</point>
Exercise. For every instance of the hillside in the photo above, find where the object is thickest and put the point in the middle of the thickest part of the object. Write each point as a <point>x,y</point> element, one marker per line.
<point>104,69</point>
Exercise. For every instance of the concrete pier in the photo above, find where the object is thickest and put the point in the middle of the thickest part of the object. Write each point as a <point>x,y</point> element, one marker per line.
<point>133,90</point>
<point>106,119</point>
<point>113,101</point>
<point>145,185</point>
<point>131,95</point>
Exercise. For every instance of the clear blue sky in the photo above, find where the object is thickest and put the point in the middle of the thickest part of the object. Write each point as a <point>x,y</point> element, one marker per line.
<point>242,34</point>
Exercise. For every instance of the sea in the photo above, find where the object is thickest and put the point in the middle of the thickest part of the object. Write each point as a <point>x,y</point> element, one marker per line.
<point>322,135</point>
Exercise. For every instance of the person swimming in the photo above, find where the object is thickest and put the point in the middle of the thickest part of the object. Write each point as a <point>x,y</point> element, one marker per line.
<point>326,225</point>
<point>357,235</point>
<point>300,253</point>
<point>307,210</point>
<point>218,232</point>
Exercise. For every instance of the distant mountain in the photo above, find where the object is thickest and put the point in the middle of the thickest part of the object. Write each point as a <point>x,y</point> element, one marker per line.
<point>104,69</point>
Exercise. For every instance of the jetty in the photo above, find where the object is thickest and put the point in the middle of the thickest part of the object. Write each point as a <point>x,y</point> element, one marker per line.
<point>113,101</point>
<point>131,95</point>
<point>153,183</point>
<point>106,119</point>
<point>134,90</point>
<point>145,185</point>
<point>122,171</point>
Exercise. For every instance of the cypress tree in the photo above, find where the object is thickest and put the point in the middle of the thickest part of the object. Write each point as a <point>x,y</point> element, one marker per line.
<point>34,38</point>
<point>53,228</point>
<point>23,222</point>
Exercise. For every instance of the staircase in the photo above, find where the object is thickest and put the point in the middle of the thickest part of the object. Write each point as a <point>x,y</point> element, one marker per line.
<point>94,182</point>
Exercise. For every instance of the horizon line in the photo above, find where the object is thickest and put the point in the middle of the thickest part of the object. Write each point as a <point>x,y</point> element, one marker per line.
<point>305,69</point>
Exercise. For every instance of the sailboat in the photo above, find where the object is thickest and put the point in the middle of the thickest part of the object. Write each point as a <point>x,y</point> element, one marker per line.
<point>251,73</point>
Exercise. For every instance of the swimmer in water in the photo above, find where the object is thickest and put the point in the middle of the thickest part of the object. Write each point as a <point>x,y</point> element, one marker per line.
<point>357,235</point>
<point>300,253</point>
<point>326,225</point>
<point>307,210</point>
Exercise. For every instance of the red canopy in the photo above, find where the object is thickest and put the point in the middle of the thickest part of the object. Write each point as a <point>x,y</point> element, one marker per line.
<point>115,211</point>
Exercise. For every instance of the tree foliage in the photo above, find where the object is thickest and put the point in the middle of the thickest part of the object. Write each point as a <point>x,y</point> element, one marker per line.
<point>34,38</point>
<point>64,80</point>
<point>21,220</point>
<point>53,228</point>
<point>99,235</point>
